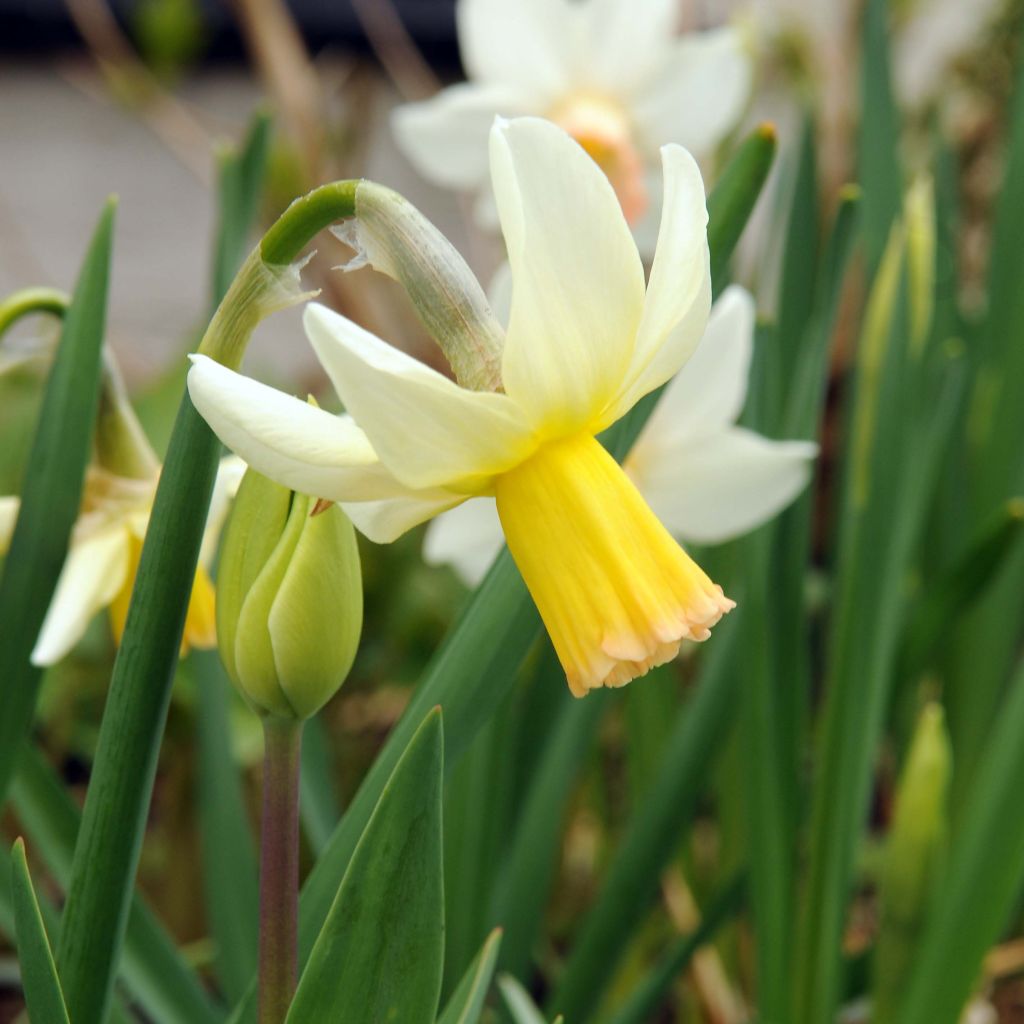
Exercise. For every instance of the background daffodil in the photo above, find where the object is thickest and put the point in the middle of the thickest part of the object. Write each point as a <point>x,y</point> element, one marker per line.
<point>106,543</point>
<point>585,341</point>
<point>613,73</point>
<point>706,479</point>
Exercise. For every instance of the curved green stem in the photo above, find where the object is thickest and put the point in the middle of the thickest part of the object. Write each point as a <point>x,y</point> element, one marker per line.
<point>28,301</point>
<point>305,217</point>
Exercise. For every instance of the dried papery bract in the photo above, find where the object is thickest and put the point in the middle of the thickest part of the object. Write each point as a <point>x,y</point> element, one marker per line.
<point>389,234</point>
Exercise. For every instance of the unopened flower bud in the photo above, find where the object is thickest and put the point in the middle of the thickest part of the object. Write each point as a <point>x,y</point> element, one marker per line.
<point>919,215</point>
<point>913,858</point>
<point>389,234</point>
<point>290,599</point>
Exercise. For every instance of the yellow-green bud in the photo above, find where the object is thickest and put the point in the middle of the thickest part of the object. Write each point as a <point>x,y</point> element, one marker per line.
<point>289,599</point>
<point>913,858</point>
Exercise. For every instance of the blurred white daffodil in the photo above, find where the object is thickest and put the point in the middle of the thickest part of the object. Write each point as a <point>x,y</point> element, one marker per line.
<point>706,479</point>
<point>585,341</point>
<point>106,543</point>
<point>613,73</point>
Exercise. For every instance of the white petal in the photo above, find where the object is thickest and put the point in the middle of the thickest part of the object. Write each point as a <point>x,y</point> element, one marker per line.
<point>294,443</point>
<point>699,93</point>
<point>92,577</point>
<point>499,293</point>
<point>467,538</point>
<point>225,487</point>
<point>9,505</point>
<point>679,291</point>
<point>445,137</point>
<point>524,43</point>
<point>577,279</point>
<point>936,32</point>
<point>624,40</point>
<point>726,484</point>
<point>385,521</point>
<point>428,431</point>
<point>708,392</point>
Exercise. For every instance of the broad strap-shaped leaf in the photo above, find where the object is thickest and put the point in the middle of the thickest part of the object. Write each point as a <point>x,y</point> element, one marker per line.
<point>39,980</point>
<point>380,954</point>
<point>467,1002</point>
<point>51,493</point>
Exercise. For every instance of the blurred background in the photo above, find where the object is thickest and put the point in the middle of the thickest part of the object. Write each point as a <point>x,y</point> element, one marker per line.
<point>138,97</point>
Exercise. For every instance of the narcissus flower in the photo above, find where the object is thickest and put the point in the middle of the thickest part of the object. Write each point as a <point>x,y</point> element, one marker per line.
<point>612,73</point>
<point>706,479</point>
<point>106,543</point>
<point>585,341</point>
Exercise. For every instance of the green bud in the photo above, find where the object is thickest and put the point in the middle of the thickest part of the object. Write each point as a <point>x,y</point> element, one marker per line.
<point>919,215</point>
<point>289,599</point>
<point>913,858</point>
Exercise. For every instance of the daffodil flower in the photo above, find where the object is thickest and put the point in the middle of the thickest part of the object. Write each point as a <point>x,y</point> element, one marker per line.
<point>106,543</point>
<point>585,341</point>
<point>612,73</point>
<point>706,479</point>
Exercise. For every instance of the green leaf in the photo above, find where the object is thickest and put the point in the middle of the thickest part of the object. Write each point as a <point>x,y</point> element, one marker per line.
<point>526,876</point>
<point>320,805</point>
<point>982,882</point>
<point>228,851</point>
<point>39,980</point>
<point>467,1002</point>
<point>478,814</point>
<point>642,1003</point>
<point>153,969</point>
<point>734,196</point>
<point>880,174</point>
<point>114,817</point>
<point>51,493</point>
<point>380,954</point>
<point>902,416</point>
<point>240,179</point>
<point>632,880</point>
<point>952,594</point>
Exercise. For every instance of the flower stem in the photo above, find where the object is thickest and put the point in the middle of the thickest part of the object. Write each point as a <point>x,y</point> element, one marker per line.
<point>279,869</point>
<point>29,301</point>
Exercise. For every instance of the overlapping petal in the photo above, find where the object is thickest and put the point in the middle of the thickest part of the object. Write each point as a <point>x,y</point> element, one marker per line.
<point>467,538</point>
<point>698,94</point>
<point>725,484</point>
<point>708,392</point>
<point>578,285</point>
<point>386,520</point>
<point>427,430</point>
<point>622,44</point>
<point>93,575</point>
<point>225,487</point>
<point>445,137</point>
<point>298,445</point>
<point>678,299</point>
<point>522,43</point>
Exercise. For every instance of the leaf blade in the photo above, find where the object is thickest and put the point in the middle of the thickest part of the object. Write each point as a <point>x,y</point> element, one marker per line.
<point>389,910</point>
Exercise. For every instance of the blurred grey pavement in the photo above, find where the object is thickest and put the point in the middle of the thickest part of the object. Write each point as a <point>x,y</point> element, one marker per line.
<point>66,144</point>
